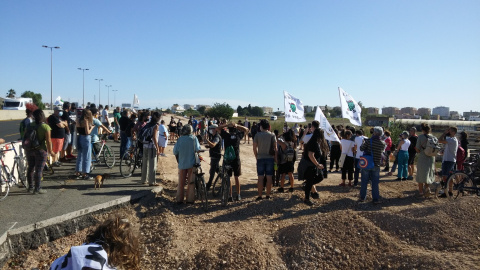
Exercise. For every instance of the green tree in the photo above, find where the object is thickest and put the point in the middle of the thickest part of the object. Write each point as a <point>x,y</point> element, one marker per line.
<point>36,97</point>
<point>191,112</point>
<point>256,111</point>
<point>426,117</point>
<point>240,110</point>
<point>11,93</point>
<point>221,111</point>
<point>336,112</point>
<point>201,110</point>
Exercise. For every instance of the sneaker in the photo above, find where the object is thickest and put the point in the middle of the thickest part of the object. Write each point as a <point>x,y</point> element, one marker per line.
<point>410,178</point>
<point>290,189</point>
<point>315,195</point>
<point>258,199</point>
<point>403,179</point>
<point>87,177</point>
<point>39,191</point>
<point>280,190</point>
<point>398,179</point>
<point>57,164</point>
<point>71,157</point>
<point>308,202</point>
<point>239,198</point>
<point>230,199</point>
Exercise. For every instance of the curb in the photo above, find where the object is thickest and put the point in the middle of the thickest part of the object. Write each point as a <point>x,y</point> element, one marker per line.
<point>14,239</point>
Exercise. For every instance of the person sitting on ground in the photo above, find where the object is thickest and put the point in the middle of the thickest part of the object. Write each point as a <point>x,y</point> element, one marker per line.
<point>373,146</point>
<point>112,245</point>
<point>402,156</point>
<point>184,150</point>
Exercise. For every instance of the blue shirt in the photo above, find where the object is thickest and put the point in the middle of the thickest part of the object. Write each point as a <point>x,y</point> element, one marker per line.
<point>185,149</point>
<point>194,124</point>
<point>94,133</point>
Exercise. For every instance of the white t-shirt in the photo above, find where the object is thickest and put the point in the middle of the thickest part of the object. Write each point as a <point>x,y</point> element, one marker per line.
<point>104,116</point>
<point>358,143</point>
<point>347,147</point>
<point>405,145</point>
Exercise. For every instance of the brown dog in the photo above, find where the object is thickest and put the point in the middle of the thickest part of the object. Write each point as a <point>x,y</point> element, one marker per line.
<point>100,178</point>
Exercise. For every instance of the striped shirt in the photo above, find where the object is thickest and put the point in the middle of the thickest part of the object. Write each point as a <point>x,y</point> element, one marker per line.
<point>378,148</point>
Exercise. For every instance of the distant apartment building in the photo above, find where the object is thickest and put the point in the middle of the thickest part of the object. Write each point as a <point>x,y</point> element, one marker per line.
<point>177,109</point>
<point>442,111</point>
<point>408,110</point>
<point>424,111</point>
<point>308,109</point>
<point>390,111</point>
<point>407,116</point>
<point>373,110</point>
<point>188,106</point>
<point>267,110</point>
<point>468,114</point>
<point>200,105</point>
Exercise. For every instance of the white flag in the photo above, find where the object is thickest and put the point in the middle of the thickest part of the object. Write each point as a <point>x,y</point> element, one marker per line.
<point>294,111</point>
<point>135,100</point>
<point>325,125</point>
<point>350,108</point>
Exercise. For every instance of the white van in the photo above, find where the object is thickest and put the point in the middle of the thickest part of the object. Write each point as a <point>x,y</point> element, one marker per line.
<point>16,103</point>
<point>273,117</point>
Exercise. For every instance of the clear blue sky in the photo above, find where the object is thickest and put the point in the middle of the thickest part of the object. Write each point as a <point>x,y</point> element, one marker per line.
<point>384,53</point>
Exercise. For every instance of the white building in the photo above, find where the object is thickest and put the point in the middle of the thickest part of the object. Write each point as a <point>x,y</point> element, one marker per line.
<point>308,108</point>
<point>442,111</point>
<point>267,110</point>
<point>177,109</point>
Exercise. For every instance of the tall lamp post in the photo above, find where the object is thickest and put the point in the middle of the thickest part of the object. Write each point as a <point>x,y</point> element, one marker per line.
<point>108,93</point>
<point>83,71</point>
<point>114,98</point>
<point>99,80</point>
<point>51,72</point>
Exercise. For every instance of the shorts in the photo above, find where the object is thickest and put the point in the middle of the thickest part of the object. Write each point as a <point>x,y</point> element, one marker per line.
<point>236,167</point>
<point>286,167</point>
<point>57,144</point>
<point>162,141</point>
<point>265,166</point>
<point>117,128</point>
<point>411,158</point>
<point>66,141</point>
<point>447,167</point>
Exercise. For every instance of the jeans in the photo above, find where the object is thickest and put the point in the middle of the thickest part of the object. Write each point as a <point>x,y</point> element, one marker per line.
<point>357,172</point>
<point>265,166</point>
<point>124,143</point>
<point>374,176</point>
<point>402,164</point>
<point>84,156</point>
<point>149,165</point>
<point>35,163</point>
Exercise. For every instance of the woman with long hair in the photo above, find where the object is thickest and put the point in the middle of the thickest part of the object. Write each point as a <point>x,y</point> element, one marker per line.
<point>315,154</point>
<point>36,159</point>
<point>113,245</point>
<point>84,145</point>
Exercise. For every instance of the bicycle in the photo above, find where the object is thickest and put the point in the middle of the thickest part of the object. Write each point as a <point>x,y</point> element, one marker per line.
<point>107,154</point>
<point>131,160</point>
<point>464,183</point>
<point>459,182</point>
<point>200,187</point>
<point>224,188</point>
<point>48,167</point>
<point>8,178</point>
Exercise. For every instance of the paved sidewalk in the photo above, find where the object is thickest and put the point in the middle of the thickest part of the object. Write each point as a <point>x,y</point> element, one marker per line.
<point>67,198</point>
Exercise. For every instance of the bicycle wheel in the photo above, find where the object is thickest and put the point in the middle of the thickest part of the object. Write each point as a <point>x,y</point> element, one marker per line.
<point>202,191</point>
<point>225,190</point>
<point>22,174</point>
<point>137,159</point>
<point>127,164</point>
<point>108,156</point>
<point>4,188</point>
<point>216,188</point>
<point>459,184</point>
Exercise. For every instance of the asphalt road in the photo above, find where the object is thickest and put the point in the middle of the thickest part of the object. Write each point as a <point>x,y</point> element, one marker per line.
<point>9,130</point>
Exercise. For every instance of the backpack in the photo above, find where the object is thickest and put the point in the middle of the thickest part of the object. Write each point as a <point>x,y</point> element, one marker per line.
<point>431,148</point>
<point>460,154</point>
<point>146,132</point>
<point>30,140</point>
<point>229,154</point>
<point>289,153</point>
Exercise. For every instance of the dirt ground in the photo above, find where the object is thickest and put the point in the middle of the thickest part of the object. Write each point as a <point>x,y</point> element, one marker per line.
<point>403,232</point>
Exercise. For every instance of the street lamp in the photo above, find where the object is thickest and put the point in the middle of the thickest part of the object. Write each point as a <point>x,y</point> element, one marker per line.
<point>51,72</point>
<point>99,80</point>
<point>108,92</point>
<point>114,98</point>
<point>83,71</point>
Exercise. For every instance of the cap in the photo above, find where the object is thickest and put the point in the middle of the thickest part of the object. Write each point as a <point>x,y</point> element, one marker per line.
<point>57,108</point>
<point>213,126</point>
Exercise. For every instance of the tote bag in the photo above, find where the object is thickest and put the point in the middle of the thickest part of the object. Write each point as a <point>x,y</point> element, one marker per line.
<point>366,161</point>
